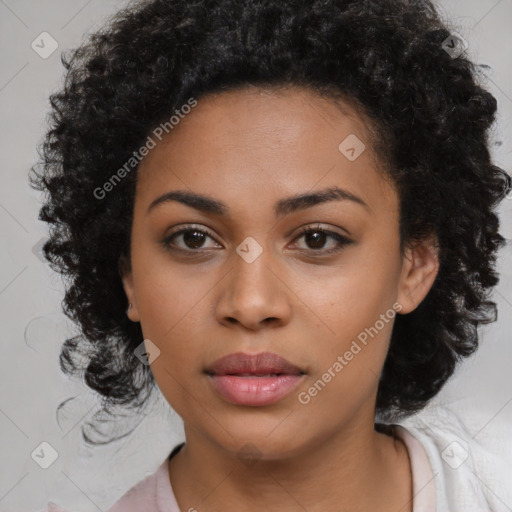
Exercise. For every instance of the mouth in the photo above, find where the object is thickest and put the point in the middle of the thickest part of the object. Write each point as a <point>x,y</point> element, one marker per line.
<point>255,380</point>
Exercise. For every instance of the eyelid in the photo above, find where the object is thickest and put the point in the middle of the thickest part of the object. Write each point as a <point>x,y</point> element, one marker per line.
<point>191,227</point>
<point>317,225</point>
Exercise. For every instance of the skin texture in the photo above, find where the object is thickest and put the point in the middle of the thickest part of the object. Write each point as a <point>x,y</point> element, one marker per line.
<point>250,148</point>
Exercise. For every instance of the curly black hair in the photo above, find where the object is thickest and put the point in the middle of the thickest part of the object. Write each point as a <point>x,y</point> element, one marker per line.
<point>389,58</point>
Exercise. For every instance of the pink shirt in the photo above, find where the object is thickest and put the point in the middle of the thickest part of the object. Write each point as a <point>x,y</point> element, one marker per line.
<point>155,493</point>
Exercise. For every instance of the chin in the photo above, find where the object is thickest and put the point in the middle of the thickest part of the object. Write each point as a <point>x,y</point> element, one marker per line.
<point>262,443</point>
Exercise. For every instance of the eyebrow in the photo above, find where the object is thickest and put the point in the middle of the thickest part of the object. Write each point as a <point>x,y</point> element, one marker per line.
<point>282,207</point>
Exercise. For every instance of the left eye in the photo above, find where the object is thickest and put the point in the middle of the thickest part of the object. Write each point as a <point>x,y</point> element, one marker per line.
<point>317,237</point>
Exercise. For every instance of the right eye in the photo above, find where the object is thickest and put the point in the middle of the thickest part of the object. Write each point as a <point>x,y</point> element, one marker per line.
<point>192,237</point>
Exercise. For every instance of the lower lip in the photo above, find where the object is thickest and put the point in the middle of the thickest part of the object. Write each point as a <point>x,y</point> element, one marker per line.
<point>254,390</point>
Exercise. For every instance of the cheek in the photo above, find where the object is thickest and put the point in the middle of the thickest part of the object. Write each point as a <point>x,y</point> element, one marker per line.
<point>354,320</point>
<point>348,364</point>
<point>174,322</point>
<point>174,309</point>
<point>350,298</point>
<point>167,292</point>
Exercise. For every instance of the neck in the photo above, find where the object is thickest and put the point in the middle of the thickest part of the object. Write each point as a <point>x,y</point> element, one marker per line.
<point>354,469</point>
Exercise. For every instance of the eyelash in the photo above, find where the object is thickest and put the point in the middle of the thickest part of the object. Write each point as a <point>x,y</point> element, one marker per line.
<point>342,241</point>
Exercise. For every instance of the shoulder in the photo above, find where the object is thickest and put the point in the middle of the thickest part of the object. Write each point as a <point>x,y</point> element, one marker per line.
<point>152,493</point>
<point>142,496</point>
<point>468,474</point>
<point>139,497</point>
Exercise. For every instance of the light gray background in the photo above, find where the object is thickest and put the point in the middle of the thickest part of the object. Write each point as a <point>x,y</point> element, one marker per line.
<point>30,293</point>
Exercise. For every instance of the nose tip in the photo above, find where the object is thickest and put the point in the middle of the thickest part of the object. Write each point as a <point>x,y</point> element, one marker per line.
<point>253,297</point>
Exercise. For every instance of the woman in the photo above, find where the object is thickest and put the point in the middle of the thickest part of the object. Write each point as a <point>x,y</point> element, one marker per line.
<point>283,214</point>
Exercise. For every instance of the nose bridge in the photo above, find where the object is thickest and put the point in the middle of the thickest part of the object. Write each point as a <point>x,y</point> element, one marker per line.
<point>252,266</point>
<point>252,292</point>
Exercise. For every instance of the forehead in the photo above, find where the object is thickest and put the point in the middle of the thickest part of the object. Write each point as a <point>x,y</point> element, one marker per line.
<point>258,142</point>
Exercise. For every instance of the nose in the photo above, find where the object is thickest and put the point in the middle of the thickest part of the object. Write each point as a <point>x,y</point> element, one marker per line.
<point>253,295</point>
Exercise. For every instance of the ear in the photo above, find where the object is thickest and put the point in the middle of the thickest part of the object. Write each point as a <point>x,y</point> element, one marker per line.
<point>127,279</point>
<point>419,270</point>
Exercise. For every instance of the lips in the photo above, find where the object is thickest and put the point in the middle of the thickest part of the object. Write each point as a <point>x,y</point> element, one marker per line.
<point>254,380</point>
<point>257,365</point>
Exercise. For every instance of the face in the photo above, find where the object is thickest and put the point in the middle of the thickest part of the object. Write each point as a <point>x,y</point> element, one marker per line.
<point>236,274</point>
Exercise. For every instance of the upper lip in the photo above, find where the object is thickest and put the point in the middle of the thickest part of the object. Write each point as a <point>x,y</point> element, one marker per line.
<point>257,364</point>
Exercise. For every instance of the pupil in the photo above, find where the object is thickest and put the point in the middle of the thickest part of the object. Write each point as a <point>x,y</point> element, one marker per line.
<point>192,237</point>
<point>315,235</point>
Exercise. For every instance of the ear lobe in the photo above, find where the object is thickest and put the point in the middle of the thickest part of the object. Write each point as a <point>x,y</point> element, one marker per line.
<point>127,280</point>
<point>419,271</point>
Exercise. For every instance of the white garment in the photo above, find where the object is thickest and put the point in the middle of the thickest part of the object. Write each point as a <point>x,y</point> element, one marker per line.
<point>451,472</point>
<point>468,476</point>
